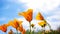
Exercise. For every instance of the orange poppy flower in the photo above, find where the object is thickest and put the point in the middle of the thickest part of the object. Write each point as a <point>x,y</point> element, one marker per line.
<point>15,23</point>
<point>42,23</point>
<point>23,32</point>
<point>18,22</point>
<point>3,28</point>
<point>27,15</point>
<point>6,25</point>
<point>0,27</point>
<point>11,23</point>
<point>39,16</point>
<point>20,28</point>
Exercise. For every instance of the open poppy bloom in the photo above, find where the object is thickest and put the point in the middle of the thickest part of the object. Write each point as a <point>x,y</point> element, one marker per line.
<point>3,28</point>
<point>42,23</point>
<point>27,15</point>
<point>39,16</point>
<point>15,23</point>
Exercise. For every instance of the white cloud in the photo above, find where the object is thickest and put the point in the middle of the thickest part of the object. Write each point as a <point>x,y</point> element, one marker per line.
<point>54,21</point>
<point>43,5</point>
<point>47,7</point>
<point>25,23</point>
<point>54,25</point>
<point>56,17</point>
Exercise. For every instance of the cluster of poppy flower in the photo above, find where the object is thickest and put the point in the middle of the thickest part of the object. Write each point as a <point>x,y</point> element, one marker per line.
<point>18,24</point>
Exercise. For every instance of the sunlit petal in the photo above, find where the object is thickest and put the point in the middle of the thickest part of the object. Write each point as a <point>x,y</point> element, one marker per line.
<point>42,23</point>
<point>39,16</point>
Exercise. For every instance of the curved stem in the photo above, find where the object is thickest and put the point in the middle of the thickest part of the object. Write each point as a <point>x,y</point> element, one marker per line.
<point>48,25</point>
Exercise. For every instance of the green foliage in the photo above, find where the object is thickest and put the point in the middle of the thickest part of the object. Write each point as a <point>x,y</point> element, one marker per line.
<point>40,32</point>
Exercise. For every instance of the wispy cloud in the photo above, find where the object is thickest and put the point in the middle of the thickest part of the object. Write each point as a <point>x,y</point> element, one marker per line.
<point>2,19</point>
<point>48,8</point>
<point>43,5</point>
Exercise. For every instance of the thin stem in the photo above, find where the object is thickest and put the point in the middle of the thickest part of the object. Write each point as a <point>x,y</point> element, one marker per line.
<point>30,27</point>
<point>33,31</point>
<point>48,25</point>
<point>16,31</point>
<point>43,30</point>
<point>6,32</point>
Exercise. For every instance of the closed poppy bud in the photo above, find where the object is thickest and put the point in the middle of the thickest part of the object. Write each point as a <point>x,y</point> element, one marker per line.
<point>32,25</point>
<point>10,32</point>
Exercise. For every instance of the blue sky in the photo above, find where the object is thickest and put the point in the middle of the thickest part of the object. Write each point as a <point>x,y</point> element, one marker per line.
<point>9,10</point>
<point>50,9</point>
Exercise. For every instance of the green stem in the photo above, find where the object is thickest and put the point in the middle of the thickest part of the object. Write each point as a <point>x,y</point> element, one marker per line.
<point>16,31</point>
<point>48,25</point>
<point>33,31</point>
<point>30,27</point>
<point>6,32</point>
<point>43,30</point>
